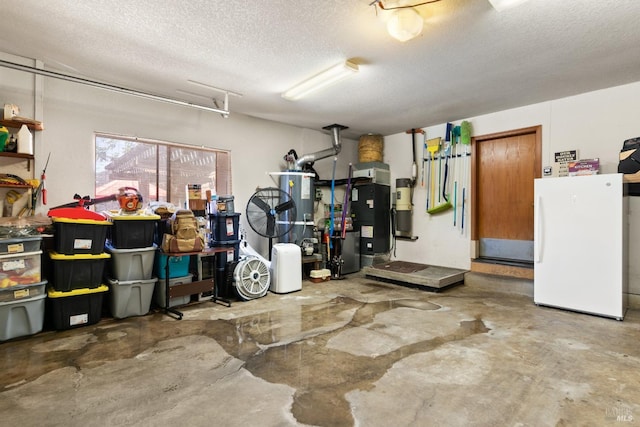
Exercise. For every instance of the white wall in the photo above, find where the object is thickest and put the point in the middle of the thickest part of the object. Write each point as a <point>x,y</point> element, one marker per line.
<point>71,113</point>
<point>595,123</point>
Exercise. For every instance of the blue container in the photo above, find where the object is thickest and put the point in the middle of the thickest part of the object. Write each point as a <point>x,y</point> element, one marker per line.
<point>178,265</point>
<point>224,227</point>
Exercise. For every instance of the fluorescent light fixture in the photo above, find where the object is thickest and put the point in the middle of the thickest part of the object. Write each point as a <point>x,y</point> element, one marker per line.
<point>501,5</point>
<point>405,24</point>
<point>321,80</point>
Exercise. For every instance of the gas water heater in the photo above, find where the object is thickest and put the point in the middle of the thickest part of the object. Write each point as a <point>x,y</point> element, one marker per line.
<point>300,186</point>
<point>299,183</point>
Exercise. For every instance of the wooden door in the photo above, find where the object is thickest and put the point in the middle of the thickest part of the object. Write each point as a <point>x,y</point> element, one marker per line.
<point>504,167</point>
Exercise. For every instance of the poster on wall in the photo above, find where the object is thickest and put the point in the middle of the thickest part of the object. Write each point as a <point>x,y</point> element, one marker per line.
<point>562,159</point>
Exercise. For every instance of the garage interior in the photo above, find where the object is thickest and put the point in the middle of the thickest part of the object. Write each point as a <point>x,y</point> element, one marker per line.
<point>364,335</point>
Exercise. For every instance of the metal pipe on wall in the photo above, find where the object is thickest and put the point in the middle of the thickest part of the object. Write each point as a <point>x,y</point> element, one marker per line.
<point>113,88</point>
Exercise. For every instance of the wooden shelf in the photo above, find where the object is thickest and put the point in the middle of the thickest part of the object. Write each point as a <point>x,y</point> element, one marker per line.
<point>17,123</point>
<point>17,155</point>
<point>28,157</point>
<point>17,186</point>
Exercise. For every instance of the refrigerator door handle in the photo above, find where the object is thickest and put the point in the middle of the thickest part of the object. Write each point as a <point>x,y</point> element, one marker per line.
<point>537,249</point>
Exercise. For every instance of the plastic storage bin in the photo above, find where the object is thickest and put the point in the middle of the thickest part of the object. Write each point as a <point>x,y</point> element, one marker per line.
<point>131,264</point>
<point>317,276</point>
<point>178,265</point>
<point>161,294</point>
<point>79,307</point>
<point>233,249</point>
<point>20,245</point>
<point>71,272</point>
<point>20,269</point>
<point>224,227</point>
<point>80,236</point>
<point>131,298</point>
<point>22,317</point>
<point>15,293</point>
<point>132,231</point>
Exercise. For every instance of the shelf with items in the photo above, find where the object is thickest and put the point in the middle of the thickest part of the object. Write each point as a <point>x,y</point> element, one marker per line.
<point>17,123</point>
<point>13,176</point>
<point>190,288</point>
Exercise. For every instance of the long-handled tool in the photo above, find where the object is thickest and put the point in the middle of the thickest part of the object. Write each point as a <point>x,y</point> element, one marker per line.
<point>433,145</point>
<point>39,189</point>
<point>333,193</point>
<point>447,155</point>
<point>345,205</point>
<point>455,143</point>
<point>465,139</point>
<point>43,190</point>
<point>446,205</point>
<point>424,148</point>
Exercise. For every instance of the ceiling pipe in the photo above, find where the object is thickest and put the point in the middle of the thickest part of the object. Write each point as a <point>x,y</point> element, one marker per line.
<point>113,88</point>
<point>337,146</point>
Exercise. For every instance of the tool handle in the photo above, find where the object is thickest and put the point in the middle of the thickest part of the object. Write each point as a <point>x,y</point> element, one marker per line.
<point>44,190</point>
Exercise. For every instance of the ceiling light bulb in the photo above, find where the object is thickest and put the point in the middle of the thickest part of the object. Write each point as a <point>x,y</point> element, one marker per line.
<point>321,80</point>
<point>405,24</point>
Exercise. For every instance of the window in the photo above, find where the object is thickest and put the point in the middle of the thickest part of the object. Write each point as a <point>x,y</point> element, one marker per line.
<point>160,171</point>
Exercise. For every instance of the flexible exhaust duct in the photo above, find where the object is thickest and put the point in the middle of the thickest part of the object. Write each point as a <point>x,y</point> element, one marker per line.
<point>337,146</point>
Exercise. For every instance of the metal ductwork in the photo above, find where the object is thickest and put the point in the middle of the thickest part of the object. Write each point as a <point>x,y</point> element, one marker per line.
<point>337,146</point>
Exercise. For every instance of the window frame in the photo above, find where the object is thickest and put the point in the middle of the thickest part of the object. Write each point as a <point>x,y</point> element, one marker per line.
<point>220,183</point>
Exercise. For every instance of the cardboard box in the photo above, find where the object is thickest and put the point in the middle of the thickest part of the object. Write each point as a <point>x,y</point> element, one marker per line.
<point>584,167</point>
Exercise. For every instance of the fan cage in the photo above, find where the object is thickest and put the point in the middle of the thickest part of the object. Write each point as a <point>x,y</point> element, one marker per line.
<point>252,278</point>
<point>280,217</point>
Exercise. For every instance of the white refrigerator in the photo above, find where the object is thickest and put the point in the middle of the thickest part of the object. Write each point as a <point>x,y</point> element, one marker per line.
<point>580,244</point>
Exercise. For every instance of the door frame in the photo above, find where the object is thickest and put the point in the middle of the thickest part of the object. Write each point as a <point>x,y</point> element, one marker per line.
<point>537,130</point>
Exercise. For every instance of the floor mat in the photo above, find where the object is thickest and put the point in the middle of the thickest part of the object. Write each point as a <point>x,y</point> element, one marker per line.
<point>430,277</point>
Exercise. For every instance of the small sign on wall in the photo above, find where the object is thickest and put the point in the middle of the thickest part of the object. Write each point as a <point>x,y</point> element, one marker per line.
<point>562,159</point>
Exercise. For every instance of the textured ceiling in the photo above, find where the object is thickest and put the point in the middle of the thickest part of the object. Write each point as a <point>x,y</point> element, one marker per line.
<point>469,60</point>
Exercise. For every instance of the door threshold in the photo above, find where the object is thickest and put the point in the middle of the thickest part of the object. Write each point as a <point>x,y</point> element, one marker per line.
<point>516,269</point>
<point>511,262</point>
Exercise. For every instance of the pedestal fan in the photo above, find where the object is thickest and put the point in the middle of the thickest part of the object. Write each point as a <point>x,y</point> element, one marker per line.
<point>271,213</point>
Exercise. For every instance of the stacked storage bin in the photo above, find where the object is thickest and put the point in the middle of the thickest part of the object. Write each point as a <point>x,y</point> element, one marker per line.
<point>22,289</point>
<point>179,271</point>
<point>178,275</point>
<point>76,287</point>
<point>224,233</point>
<point>130,243</point>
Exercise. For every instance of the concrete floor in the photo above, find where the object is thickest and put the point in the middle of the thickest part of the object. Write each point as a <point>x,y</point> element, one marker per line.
<point>339,353</point>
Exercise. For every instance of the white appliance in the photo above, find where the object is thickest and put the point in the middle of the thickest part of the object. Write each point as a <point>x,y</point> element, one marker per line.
<point>580,244</point>
<point>286,268</point>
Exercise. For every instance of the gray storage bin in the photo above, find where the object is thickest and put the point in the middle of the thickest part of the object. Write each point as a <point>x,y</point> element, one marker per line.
<point>22,292</point>
<point>160,292</point>
<point>131,298</point>
<point>19,245</point>
<point>131,264</point>
<point>22,317</point>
